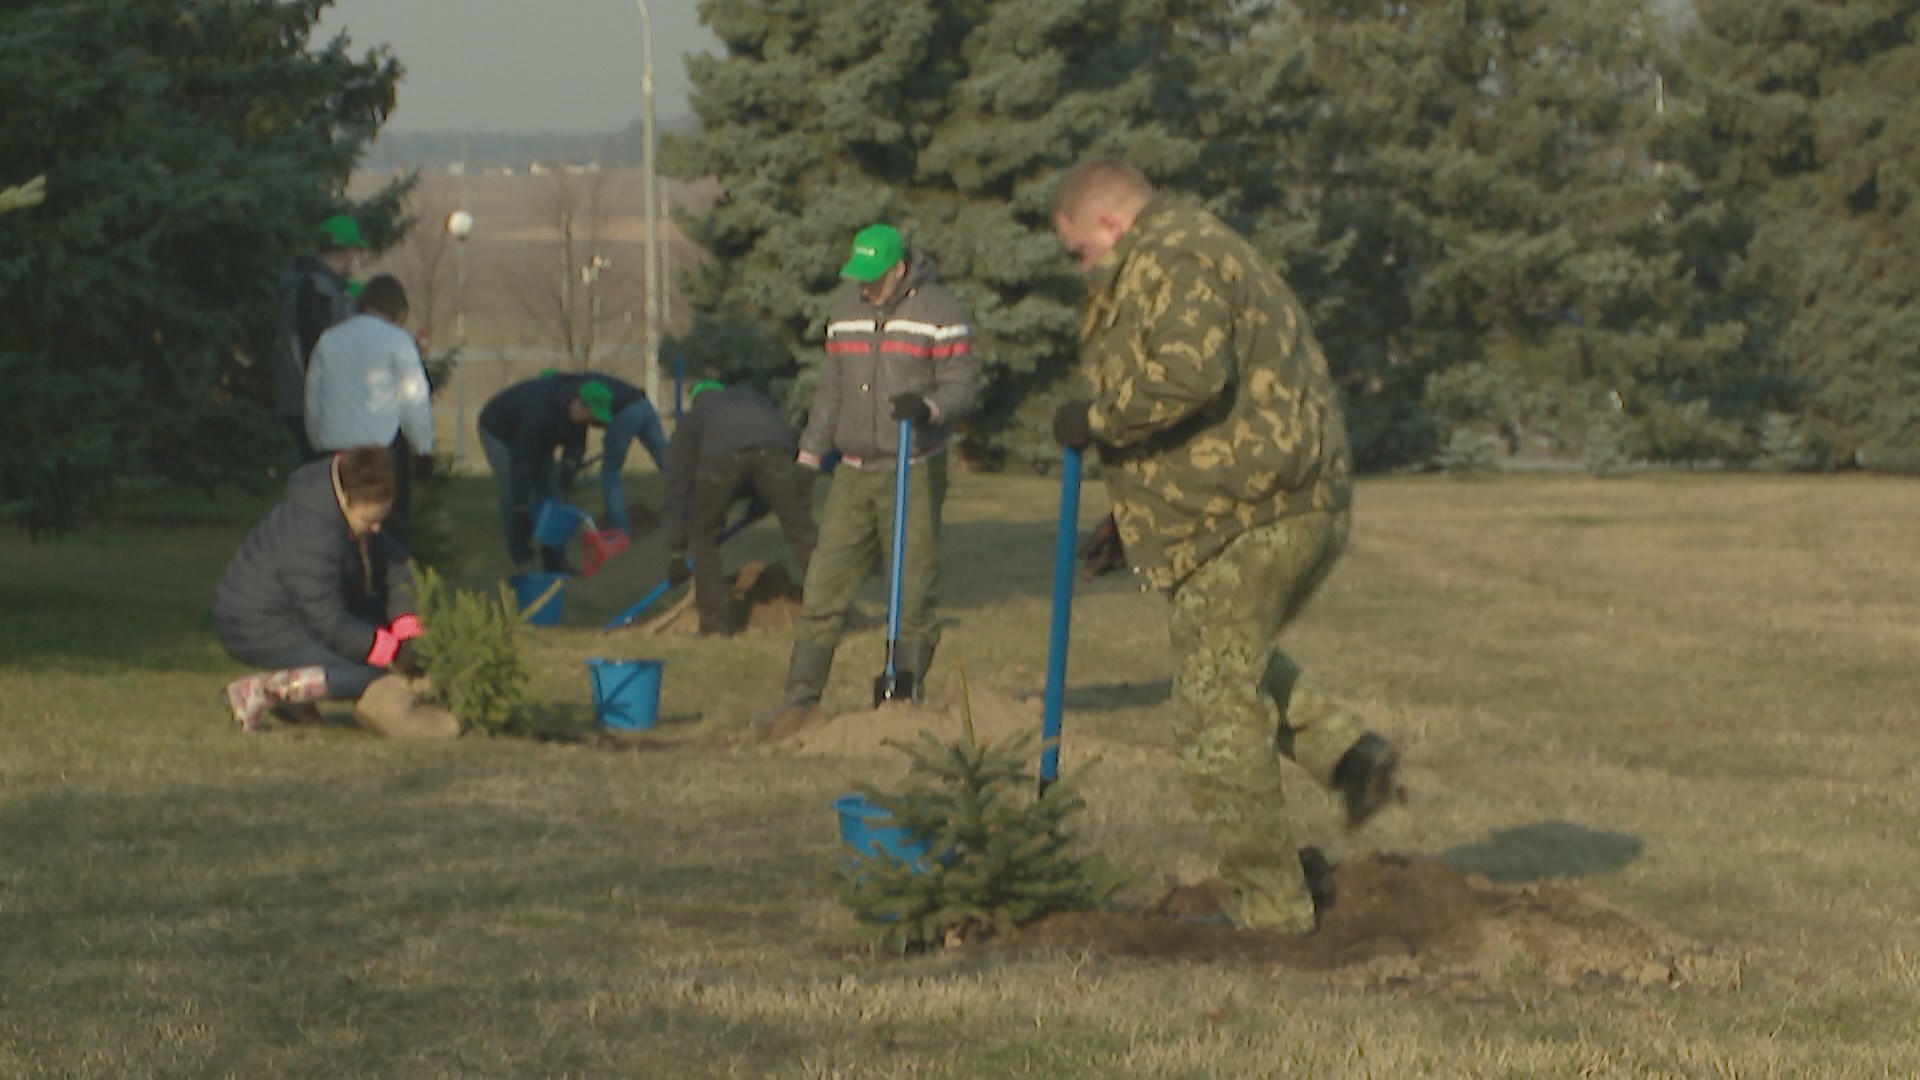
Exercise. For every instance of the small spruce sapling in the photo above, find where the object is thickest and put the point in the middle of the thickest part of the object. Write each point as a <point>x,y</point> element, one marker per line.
<point>1001,858</point>
<point>472,652</point>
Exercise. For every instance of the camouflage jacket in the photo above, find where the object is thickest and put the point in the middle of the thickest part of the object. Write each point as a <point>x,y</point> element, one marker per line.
<point>1212,402</point>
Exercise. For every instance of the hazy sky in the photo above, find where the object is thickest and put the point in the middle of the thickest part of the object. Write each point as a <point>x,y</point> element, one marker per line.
<point>525,65</point>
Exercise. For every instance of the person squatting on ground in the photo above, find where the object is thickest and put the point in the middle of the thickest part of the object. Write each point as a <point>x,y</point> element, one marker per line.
<point>300,599</point>
<point>522,426</point>
<point>1230,475</point>
<point>731,444</point>
<point>313,297</point>
<point>367,386</point>
<point>899,346</point>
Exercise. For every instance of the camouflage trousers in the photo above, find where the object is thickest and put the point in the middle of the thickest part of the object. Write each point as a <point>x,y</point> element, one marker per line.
<point>856,534</point>
<point>1240,704</point>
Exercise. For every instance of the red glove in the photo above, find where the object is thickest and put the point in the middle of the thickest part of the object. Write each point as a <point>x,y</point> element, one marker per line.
<point>388,639</point>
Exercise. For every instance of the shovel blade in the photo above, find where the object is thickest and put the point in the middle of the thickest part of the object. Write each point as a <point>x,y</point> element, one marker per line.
<point>899,686</point>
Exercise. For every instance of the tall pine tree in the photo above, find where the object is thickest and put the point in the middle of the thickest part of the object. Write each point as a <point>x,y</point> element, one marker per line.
<point>190,148</point>
<point>1806,110</point>
<point>1502,231</point>
<point>952,120</point>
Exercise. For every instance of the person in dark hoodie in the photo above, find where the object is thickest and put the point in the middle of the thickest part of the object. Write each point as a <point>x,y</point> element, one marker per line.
<point>299,599</point>
<point>731,444</point>
<point>314,295</point>
<point>899,347</point>
<point>522,426</point>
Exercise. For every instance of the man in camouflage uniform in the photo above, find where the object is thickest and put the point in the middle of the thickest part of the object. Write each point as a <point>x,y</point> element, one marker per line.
<point>1231,481</point>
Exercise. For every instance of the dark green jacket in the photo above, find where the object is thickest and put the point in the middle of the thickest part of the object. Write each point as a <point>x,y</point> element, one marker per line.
<point>1212,402</point>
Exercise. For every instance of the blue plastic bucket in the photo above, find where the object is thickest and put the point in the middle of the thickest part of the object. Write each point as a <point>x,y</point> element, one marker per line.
<point>555,522</point>
<point>868,830</point>
<point>540,596</point>
<point>626,693</point>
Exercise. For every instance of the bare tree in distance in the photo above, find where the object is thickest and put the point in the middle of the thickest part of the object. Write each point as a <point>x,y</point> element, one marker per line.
<point>575,293</point>
<point>424,261</point>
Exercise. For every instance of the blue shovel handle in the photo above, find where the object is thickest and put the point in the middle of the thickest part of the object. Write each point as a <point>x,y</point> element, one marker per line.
<point>1063,546</point>
<point>626,617</point>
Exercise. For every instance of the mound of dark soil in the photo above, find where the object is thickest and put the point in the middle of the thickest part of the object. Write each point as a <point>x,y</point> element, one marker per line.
<point>1395,921</point>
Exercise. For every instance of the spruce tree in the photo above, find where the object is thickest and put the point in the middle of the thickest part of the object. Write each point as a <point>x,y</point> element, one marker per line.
<point>951,120</point>
<point>1493,174</point>
<point>1806,110</point>
<point>189,149</point>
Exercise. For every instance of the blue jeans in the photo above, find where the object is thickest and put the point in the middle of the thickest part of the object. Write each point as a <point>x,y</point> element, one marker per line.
<point>636,421</point>
<point>516,521</point>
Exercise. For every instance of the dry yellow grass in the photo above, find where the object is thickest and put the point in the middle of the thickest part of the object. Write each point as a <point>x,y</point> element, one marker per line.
<point>1689,694</point>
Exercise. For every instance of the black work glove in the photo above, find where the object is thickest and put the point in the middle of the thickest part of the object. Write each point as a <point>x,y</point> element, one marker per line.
<point>569,472</point>
<point>911,407</point>
<point>1070,424</point>
<point>678,568</point>
<point>1102,553</point>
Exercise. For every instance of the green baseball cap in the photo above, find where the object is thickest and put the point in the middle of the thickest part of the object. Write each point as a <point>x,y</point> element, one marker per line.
<point>340,231</point>
<point>876,250</point>
<point>598,400</point>
<point>703,386</point>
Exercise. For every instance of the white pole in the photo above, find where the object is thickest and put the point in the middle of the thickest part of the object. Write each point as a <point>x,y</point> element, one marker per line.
<point>650,211</point>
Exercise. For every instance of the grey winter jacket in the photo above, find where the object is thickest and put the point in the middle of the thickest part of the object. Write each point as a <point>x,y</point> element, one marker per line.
<point>920,342</point>
<point>299,577</point>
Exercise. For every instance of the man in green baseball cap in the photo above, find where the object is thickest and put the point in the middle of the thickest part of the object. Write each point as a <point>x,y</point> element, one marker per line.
<point>598,398</point>
<point>340,232</point>
<point>315,294</point>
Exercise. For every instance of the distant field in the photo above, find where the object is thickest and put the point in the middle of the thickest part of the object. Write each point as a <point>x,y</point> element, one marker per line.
<point>1705,678</point>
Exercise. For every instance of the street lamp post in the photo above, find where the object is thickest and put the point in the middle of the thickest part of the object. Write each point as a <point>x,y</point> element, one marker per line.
<point>650,210</point>
<point>459,224</point>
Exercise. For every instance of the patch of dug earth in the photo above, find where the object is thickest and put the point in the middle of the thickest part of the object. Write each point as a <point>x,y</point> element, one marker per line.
<point>1396,921</point>
<point>762,596</point>
<point>996,717</point>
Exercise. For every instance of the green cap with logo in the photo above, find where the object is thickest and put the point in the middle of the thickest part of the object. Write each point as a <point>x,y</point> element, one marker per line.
<point>876,250</point>
<point>598,399</point>
<point>340,231</point>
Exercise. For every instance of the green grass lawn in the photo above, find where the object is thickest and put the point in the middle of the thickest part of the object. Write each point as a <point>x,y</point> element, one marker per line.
<point>1692,695</point>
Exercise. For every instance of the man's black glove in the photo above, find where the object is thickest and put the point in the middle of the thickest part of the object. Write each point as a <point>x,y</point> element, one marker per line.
<point>1070,424</point>
<point>678,568</point>
<point>569,472</point>
<point>911,407</point>
<point>1102,553</point>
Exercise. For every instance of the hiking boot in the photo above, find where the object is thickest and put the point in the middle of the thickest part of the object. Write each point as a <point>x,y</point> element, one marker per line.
<point>1368,778</point>
<point>247,699</point>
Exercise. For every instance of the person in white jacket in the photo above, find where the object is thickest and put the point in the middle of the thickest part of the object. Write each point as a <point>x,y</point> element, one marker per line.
<point>367,386</point>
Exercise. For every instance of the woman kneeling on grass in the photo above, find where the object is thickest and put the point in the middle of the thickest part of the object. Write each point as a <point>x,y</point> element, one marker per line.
<point>317,595</point>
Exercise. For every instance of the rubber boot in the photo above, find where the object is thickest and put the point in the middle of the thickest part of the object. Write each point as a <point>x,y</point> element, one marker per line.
<point>806,681</point>
<point>251,696</point>
<point>916,657</point>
